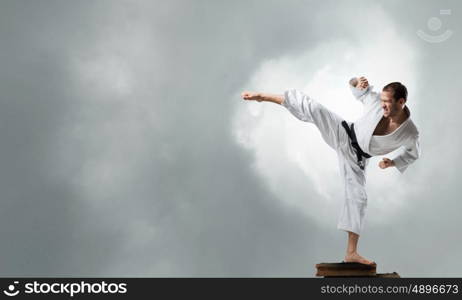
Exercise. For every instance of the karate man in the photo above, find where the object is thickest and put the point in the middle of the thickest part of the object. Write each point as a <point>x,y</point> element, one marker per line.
<point>384,126</point>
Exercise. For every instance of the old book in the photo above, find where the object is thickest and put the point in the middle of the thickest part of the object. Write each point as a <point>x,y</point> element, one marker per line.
<point>348,269</point>
<point>345,269</point>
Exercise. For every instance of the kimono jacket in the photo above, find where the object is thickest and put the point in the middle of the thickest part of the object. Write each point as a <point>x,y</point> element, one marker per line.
<point>406,136</point>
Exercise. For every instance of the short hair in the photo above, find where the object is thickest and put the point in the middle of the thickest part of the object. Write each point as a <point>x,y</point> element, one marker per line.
<point>397,89</point>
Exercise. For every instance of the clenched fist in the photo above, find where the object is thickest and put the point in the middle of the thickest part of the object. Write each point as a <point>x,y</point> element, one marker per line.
<point>251,96</point>
<point>363,83</point>
<point>360,83</point>
<point>385,163</point>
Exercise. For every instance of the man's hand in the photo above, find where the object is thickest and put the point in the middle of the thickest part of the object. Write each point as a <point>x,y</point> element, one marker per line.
<point>251,96</point>
<point>385,163</point>
<point>362,83</point>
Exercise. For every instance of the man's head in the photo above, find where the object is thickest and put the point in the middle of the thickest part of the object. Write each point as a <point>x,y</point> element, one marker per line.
<point>393,98</point>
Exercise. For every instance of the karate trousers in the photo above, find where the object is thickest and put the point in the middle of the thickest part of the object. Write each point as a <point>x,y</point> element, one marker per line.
<point>353,209</point>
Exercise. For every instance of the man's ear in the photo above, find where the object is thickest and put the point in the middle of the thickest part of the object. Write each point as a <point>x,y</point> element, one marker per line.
<point>401,101</point>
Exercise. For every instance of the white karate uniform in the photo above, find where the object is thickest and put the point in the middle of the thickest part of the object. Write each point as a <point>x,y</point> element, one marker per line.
<point>305,108</point>
<point>406,136</point>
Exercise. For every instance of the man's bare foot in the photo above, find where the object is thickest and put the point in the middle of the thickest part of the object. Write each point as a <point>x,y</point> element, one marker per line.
<point>355,257</point>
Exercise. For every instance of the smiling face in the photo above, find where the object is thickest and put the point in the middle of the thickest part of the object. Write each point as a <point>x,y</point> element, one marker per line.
<point>390,106</point>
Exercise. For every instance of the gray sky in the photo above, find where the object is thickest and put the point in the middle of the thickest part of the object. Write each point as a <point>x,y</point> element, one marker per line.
<point>127,151</point>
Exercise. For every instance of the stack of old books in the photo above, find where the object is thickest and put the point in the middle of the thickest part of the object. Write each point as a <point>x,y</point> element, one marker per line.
<point>350,269</point>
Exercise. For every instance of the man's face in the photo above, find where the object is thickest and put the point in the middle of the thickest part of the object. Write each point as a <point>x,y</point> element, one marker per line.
<point>390,106</point>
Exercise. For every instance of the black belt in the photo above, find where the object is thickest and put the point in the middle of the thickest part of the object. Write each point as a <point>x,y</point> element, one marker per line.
<point>354,142</point>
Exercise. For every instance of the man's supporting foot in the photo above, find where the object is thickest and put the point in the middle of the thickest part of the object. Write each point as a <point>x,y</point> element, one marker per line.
<point>355,257</point>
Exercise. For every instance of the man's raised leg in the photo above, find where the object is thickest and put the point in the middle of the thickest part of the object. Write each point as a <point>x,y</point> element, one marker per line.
<point>306,109</point>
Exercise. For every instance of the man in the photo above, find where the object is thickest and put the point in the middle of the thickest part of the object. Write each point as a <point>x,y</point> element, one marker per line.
<point>384,127</point>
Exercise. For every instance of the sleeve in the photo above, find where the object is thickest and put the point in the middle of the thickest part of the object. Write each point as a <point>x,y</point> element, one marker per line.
<point>367,96</point>
<point>408,156</point>
<point>298,103</point>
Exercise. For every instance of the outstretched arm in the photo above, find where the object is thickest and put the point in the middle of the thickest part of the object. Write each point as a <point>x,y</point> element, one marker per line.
<point>263,97</point>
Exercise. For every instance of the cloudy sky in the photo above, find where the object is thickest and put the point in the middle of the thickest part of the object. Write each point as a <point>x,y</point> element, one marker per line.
<point>126,149</point>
